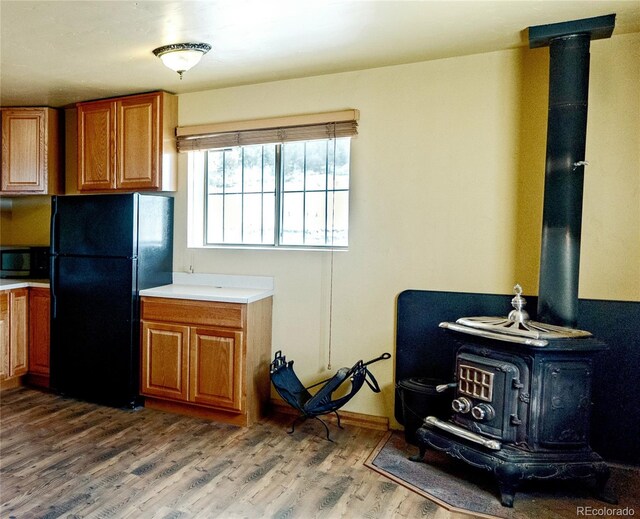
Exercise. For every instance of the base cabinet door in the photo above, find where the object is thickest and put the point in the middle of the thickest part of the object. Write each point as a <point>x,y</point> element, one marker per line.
<point>165,360</point>
<point>39,336</point>
<point>15,333</point>
<point>216,368</point>
<point>4,335</point>
<point>19,314</point>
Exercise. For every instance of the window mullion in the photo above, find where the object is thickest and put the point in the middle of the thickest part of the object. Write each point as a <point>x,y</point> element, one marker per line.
<point>326,194</point>
<point>242,195</point>
<point>262,194</point>
<point>224,194</point>
<point>304,196</point>
<point>205,216</point>
<point>278,194</point>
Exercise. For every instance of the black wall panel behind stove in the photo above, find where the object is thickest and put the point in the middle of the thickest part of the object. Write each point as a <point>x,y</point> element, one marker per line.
<point>425,350</point>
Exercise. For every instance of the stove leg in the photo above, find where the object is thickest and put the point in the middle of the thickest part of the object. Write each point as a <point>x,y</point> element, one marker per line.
<point>601,491</point>
<point>509,478</point>
<point>419,458</point>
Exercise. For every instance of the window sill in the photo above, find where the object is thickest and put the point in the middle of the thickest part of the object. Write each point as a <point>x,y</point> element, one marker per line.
<point>269,248</point>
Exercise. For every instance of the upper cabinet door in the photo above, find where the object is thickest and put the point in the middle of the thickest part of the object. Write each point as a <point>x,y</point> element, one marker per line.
<point>30,151</point>
<point>96,149</point>
<point>138,142</point>
<point>128,143</point>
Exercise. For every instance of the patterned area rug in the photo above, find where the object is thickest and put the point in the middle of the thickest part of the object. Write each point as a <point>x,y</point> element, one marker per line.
<point>461,488</point>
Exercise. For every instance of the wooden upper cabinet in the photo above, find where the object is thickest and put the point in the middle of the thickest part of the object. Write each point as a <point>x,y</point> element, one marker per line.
<point>128,143</point>
<point>139,143</point>
<point>96,147</point>
<point>31,151</point>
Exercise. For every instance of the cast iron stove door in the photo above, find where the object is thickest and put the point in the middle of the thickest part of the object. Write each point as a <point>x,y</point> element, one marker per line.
<point>566,404</point>
<point>487,396</point>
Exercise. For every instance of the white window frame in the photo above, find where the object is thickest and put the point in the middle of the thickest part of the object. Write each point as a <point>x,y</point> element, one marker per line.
<point>197,207</point>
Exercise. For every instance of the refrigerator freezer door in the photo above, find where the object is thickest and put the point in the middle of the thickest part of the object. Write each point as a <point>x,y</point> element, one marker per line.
<point>94,332</point>
<point>95,225</point>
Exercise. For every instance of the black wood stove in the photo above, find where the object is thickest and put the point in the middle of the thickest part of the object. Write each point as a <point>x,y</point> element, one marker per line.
<point>523,388</point>
<point>522,402</point>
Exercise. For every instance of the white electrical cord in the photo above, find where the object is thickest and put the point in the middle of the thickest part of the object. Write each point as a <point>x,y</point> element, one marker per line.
<point>333,212</point>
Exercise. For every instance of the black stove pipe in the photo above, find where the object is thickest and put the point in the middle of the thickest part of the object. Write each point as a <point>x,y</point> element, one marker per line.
<point>564,179</point>
<point>564,171</point>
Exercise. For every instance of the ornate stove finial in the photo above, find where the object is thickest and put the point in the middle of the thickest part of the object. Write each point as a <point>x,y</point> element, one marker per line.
<point>518,302</point>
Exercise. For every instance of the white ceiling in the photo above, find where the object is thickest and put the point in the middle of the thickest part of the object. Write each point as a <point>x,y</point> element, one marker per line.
<point>59,52</point>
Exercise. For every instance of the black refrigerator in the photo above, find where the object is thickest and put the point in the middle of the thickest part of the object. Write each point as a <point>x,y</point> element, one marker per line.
<point>104,250</point>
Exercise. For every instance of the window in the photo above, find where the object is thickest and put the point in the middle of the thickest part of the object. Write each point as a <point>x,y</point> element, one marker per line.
<point>287,194</point>
<point>280,187</point>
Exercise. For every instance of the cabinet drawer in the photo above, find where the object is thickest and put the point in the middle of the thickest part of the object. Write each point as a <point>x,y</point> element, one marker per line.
<point>229,315</point>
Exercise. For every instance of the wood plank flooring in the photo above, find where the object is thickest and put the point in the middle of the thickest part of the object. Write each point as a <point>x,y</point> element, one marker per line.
<point>66,458</point>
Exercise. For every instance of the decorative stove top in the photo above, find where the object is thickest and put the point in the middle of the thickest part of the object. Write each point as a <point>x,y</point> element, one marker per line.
<point>516,327</point>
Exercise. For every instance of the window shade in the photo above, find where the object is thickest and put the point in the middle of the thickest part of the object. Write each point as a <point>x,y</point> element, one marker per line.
<point>286,129</point>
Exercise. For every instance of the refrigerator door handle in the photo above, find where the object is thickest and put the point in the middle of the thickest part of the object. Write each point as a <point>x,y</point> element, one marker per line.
<point>55,227</point>
<point>53,284</point>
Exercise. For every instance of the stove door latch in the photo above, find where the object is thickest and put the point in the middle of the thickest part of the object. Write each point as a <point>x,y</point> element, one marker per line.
<point>516,384</point>
<point>515,420</point>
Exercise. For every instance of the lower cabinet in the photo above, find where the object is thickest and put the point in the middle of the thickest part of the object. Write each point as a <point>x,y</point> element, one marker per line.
<point>165,361</point>
<point>206,358</point>
<point>14,336</point>
<point>216,362</point>
<point>39,334</point>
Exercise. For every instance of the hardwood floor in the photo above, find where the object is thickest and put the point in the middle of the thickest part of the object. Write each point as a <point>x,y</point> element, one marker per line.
<point>65,458</point>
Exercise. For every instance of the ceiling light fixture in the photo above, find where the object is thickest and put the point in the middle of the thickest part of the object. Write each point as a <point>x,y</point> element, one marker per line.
<point>182,56</point>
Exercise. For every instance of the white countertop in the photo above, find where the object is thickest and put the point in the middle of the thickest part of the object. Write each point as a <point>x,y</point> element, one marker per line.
<point>208,293</point>
<point>214,287</point>
<point>201,287</point>
<point>10,284</point>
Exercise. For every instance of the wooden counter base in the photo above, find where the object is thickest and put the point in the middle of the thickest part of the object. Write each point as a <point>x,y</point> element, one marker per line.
<point>11,383</point>
<point>205,358</point>
<point>196,411</point>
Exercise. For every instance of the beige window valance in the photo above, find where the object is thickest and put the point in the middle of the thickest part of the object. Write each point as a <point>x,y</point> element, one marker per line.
<point>325,125</point>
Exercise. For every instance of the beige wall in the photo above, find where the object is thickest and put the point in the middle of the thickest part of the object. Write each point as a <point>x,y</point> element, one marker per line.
<point>447,178</point>
<point>25,220</point>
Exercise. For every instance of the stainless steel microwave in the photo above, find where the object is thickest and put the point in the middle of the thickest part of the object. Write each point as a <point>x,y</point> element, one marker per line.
<point>21,262</point>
